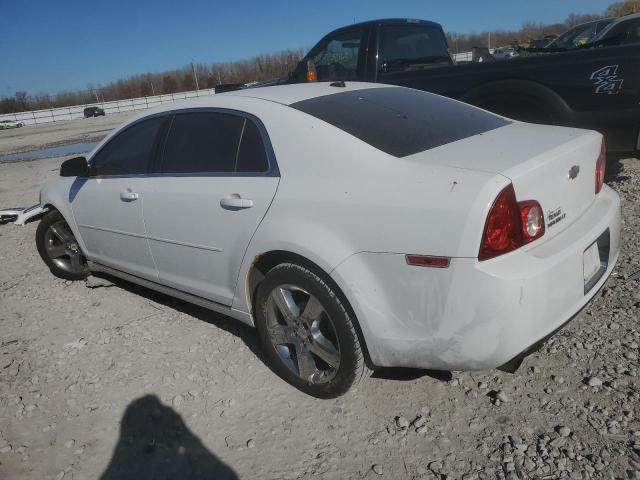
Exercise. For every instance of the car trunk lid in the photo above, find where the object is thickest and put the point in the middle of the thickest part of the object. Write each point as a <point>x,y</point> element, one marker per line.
<point>552,165</point>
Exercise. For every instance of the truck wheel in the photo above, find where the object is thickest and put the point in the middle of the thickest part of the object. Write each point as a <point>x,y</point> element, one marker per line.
<point>307,333</point>
<point>59,248</point>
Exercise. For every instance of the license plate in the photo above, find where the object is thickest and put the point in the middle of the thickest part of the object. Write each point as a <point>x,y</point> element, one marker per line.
<point>590,262</point>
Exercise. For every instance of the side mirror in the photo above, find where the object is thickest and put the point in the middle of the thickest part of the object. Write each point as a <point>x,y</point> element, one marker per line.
<point>311,73</point>
<point>305,72</point>
<point>75,167</point>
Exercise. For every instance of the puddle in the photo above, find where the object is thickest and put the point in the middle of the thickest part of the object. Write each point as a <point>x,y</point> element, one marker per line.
<point>58,151</point>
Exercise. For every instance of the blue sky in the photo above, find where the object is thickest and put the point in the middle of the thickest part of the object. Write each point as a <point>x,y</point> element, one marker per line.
<point>48,46</point>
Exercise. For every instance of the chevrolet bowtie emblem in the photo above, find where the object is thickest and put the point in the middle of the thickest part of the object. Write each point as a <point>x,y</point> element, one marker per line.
<point>574,171</point>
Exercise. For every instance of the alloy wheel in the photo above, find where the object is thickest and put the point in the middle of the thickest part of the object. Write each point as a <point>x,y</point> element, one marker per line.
<point>302,333</point>
<point>63,249</point>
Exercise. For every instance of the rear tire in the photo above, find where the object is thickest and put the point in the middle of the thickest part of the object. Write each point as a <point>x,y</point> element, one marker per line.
<point>59,248</point>
<point>307,333</point>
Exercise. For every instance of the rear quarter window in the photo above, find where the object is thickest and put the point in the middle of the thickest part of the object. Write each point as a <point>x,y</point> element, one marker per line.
<point>400,121</point>
<point>252,155</point>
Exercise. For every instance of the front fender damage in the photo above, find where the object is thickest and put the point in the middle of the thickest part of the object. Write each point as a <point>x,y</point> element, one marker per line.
<point>21,216</point>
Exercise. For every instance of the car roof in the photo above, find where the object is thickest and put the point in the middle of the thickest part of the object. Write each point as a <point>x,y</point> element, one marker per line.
<point>278,94</point>
<point>288,94</point>
<point>281,94</point>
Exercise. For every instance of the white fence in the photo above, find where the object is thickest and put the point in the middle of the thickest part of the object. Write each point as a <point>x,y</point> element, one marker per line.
<point>467,56</point>
<point>37,117</point>
<point>462,57</point>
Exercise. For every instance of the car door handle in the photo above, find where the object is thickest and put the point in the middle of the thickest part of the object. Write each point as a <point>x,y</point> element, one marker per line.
<point>236,202</point>
<point>128,195</point>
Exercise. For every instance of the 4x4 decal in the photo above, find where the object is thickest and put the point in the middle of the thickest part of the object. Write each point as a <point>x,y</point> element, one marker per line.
<point>606,80</point>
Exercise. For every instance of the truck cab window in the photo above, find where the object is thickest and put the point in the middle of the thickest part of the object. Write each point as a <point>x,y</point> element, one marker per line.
<point>627,32</point>
<point>411,46</point>
<point>337,56</point>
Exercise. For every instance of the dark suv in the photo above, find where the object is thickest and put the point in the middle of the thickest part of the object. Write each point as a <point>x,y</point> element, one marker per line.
<point>93,112</point>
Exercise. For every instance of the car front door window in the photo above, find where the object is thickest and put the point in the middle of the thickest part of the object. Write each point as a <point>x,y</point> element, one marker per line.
<point>130,152</point>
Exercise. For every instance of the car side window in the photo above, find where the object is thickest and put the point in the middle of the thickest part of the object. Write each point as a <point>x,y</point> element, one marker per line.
<point>252,155</point>
<point>336,58</point>
<point>202,142</point>
<point>129,152</point>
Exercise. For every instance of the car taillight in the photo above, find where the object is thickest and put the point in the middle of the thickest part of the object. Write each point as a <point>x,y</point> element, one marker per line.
<point>532,220</point>
<point>601,165</point>
<point>510,224</point>
<point>502,230</point>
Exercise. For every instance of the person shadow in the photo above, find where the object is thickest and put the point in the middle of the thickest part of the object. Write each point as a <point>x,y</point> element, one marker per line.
<point>155,443</point>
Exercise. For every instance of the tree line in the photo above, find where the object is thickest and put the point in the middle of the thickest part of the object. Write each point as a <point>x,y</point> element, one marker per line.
<point>267,66</point>
<point>260,67</point>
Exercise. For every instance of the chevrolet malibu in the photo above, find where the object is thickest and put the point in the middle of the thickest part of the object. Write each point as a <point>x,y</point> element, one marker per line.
<point>354,225</point>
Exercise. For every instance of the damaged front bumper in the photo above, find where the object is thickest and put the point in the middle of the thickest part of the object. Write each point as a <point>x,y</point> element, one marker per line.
<point>20,216</point>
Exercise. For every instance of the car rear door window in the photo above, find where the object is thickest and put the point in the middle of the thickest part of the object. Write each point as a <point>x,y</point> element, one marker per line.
<point>129,152</point>
<point>213,142</point>
<point>402,46</point>
<point>202,142</point>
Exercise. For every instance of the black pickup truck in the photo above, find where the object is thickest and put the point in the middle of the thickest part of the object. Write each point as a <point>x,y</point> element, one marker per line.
<point>595,88</point>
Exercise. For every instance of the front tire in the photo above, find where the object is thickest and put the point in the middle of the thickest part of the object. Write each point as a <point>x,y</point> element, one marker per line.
<point>307,333</point>
<point>59,248</point>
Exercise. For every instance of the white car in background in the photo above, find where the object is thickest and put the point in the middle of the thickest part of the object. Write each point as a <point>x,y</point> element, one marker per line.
<point>355,225</point>
<point>504,53</point>
<point>6,124</point>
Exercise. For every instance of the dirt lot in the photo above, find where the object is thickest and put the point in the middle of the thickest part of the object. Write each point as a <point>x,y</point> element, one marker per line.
<point>113,381</point>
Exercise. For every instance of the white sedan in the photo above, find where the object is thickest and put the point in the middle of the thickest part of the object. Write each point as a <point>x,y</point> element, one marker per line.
<point>7,124</point>
<point>355,225</point>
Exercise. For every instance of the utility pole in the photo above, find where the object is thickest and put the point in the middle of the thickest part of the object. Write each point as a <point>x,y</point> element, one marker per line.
<point>153,90</point>
<point>489,41</point>
<point>99,90</point>
<point>195,75</point>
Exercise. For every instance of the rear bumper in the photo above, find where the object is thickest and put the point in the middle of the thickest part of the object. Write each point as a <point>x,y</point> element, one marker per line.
<point>476,315</point>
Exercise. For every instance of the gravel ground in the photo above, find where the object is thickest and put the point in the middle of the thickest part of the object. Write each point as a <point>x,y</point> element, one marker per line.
<point>113,381</point>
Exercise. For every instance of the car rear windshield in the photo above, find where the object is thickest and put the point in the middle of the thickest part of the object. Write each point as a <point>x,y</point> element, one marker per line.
<point>400,121</point>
